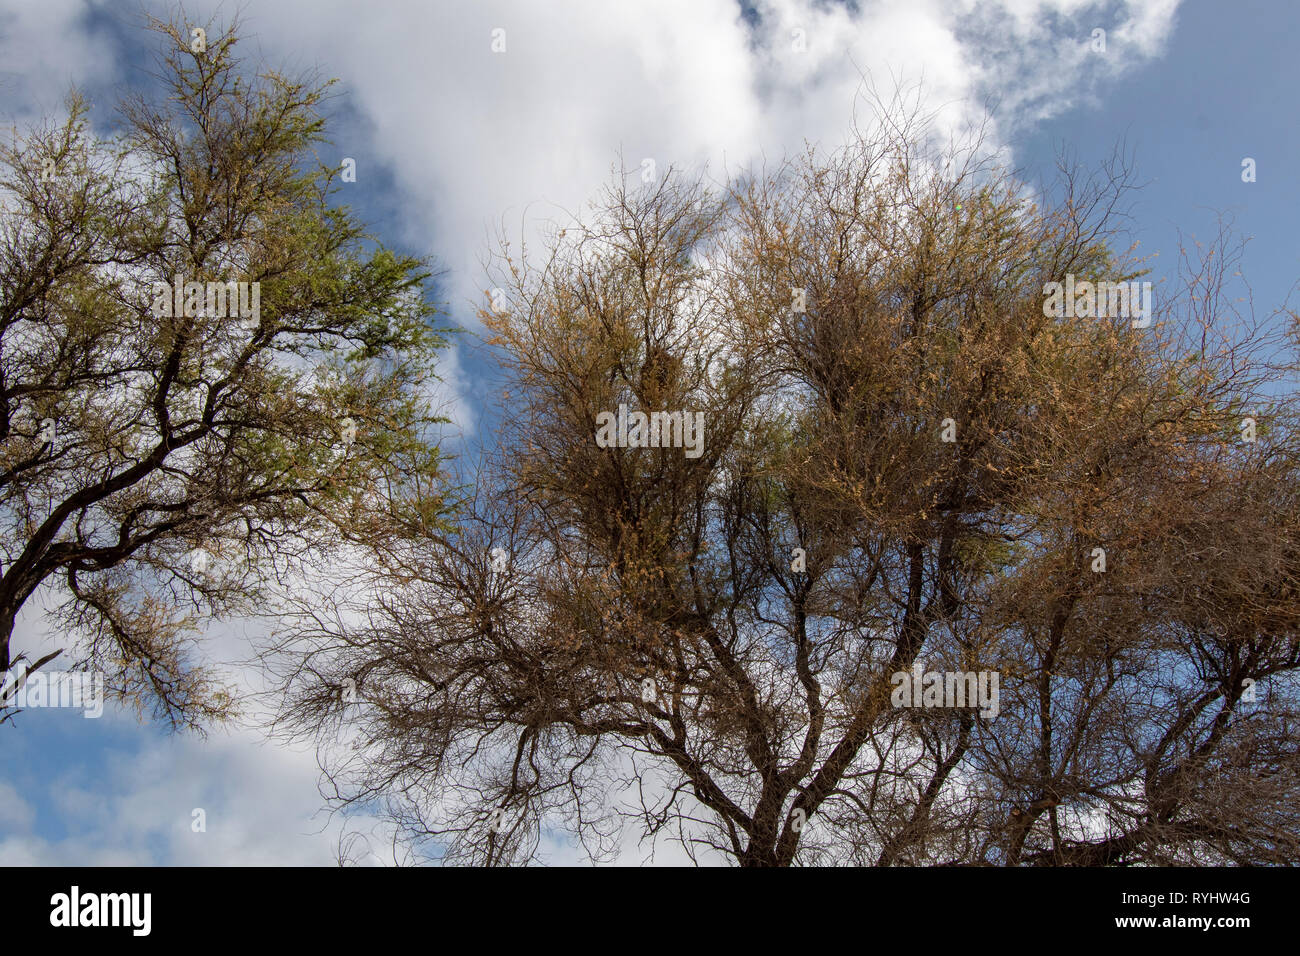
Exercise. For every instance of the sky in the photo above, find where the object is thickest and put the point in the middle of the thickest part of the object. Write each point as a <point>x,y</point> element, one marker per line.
<point>455,140</point>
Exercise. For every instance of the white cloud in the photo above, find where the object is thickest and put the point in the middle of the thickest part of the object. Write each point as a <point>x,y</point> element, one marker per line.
<point>15,812</point>
<point>260,803</point>
<point>259,796</point>
<point>476,137</point>
<point>44,48</point>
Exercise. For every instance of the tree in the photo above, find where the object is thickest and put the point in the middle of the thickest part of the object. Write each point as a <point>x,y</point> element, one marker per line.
<point>908,467</point>
<point>171,445</point>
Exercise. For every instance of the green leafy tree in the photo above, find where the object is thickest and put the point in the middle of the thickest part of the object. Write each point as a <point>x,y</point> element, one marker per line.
<point>161,460</point>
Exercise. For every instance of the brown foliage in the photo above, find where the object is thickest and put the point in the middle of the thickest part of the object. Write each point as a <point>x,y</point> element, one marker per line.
<point>645,636</point>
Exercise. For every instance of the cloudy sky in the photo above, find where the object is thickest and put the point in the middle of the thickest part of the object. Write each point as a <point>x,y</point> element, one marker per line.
<point>454,139</point>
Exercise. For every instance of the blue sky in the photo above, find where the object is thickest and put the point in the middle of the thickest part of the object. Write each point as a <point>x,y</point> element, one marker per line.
<point>1212,98</point>
<point>451,139</point>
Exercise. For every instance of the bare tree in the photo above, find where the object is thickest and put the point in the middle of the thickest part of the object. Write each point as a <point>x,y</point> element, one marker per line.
<point>908,465</point>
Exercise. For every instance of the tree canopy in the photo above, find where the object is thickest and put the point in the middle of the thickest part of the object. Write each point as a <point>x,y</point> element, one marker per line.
<point>171,445</point>
<point>909,464</point>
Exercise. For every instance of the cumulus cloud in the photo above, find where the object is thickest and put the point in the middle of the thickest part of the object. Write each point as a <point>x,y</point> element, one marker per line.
<point>528,132</point>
